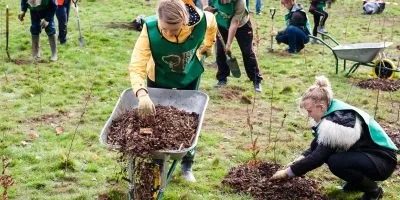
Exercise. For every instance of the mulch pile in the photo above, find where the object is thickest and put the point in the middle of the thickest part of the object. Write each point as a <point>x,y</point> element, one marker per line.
<point>393,134</point>
<point>253,180</point>
<point>169,129</point>
<point>381,84</point>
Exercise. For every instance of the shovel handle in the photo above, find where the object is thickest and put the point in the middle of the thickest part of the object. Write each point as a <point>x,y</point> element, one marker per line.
<point>272,12</point>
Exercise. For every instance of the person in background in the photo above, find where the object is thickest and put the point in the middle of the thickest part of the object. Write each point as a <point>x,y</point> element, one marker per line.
<point>317,9</point>
<point>258,6</point>
<point>234,21</point>
<point>182,30</point>
<point>373,7</point>
<point>297,27</point>
<point>42,17</point>
<point>62,14</point>
<point>352,144</point>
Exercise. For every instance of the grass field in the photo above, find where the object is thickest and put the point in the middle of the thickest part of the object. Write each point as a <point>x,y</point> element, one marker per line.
<point>51,111</point>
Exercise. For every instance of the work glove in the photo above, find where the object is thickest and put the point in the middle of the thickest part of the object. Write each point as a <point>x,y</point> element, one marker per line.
<point>280,175</point>
<point>44,23</point>
<point>295,160</point>
<point>146,106</point>
<point>21,16</point>
<point>210,9</point>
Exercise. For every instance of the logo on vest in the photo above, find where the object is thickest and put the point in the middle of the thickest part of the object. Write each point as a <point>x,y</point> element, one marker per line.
<point>178,62</point>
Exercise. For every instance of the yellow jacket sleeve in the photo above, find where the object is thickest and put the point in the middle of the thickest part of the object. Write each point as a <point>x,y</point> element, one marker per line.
<point>142,64</point>
<point>211,32</point>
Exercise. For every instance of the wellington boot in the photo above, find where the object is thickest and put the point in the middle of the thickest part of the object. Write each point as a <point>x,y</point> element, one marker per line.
<point>53,46</point>
<point>187,173</point>
<point>35,47</point>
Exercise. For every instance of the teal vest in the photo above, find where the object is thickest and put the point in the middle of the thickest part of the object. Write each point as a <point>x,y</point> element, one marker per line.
<point>376,132</point>
<point>225,13</point>
<point>176,64</point>
<point>40,7</point>
<point>321,5</point>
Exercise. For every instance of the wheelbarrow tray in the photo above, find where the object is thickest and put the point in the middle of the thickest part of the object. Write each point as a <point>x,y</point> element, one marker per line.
<point>188,100</point>
<point>360,52</point>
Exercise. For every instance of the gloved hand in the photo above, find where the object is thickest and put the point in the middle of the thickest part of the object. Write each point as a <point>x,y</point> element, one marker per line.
<point>44,23</point>
<point>280,175</point>
<point>205,51</point>
<point>295,160</point>
<point>210,9</point>
<point>21,16</point>
<point>146,106</point>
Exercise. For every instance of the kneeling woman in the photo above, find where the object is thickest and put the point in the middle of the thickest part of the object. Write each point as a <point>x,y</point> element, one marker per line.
<point>348,140</point>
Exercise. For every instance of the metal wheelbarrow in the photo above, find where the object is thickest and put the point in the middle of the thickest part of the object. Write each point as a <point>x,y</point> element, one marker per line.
<point>362,54</point>
<point>188,100</point>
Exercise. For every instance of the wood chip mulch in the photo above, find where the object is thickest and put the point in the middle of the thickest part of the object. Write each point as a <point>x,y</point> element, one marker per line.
<point>381,84</point>
<point>253,180</point>
<point>169,129</point>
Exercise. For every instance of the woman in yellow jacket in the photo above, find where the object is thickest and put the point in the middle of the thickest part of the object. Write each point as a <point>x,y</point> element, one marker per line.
<point>164,55</point>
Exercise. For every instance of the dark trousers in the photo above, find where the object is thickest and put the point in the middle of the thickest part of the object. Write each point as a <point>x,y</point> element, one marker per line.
<point>319,16</point>
<point>295,37</point>
<point>354,166</point>
<point>62,14</point>
<point>36,17</point>
<point>244,37</point>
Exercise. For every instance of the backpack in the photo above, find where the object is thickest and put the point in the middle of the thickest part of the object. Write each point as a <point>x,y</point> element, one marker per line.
<point>37,5</point>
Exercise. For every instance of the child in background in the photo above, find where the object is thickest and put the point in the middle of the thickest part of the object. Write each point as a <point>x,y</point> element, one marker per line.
<point>297,27</point>
<point>375,7</point>
<point>317,8</point>
<point>62,14</point>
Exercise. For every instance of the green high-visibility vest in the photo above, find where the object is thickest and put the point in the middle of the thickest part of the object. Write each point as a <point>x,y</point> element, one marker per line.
<point>176,64</point>
<point>376,132</point>
<point>225,13</point>
<point>41,5</point>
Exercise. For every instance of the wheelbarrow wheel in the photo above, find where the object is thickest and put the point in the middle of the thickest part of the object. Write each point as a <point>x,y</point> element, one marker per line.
<point>384,68</point>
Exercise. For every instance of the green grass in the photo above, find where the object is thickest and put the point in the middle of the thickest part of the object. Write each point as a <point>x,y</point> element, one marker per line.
<point>38,97</point>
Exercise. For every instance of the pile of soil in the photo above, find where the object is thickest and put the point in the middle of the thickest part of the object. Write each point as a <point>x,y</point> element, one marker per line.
<point>254,180</point>
<point>169,129</point>
<point>381,84</point>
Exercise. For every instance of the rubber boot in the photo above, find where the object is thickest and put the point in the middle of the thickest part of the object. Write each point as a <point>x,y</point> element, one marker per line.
<point>187,173</point>
<point>53,46</point>
<point>371,189</point>
<point>35,46</point>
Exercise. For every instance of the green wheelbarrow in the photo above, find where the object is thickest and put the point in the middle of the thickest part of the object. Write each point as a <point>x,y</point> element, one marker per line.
<point>363,54</point>
<point>188,100</point>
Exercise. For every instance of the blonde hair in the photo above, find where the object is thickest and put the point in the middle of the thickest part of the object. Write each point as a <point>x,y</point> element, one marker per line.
<point>172,12</point>
<point>320,92</point>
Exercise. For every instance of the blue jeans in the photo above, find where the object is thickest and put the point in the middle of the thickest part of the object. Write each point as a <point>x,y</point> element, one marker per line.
<point>36,17</point>
<point>62,14</point>
<point>258,6</point>
<point>295,37</point>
